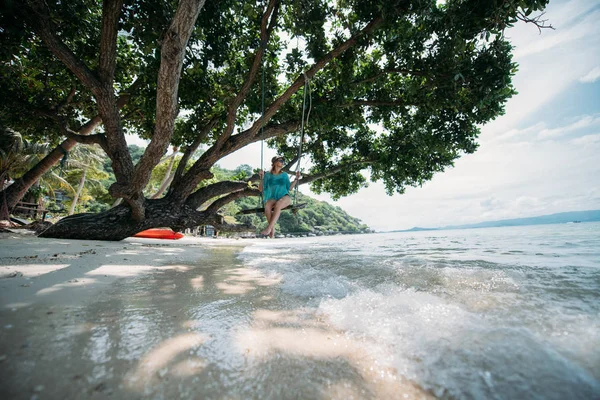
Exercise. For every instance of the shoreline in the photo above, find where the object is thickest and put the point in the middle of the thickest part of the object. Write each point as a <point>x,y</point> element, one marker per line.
<point>38,269</point>
<point>168,319</point>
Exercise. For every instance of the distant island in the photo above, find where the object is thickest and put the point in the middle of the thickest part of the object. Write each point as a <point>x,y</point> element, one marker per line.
<point>559,218</point>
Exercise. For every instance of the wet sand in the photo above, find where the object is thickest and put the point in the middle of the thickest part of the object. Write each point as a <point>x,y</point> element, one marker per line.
<point>155,319</point>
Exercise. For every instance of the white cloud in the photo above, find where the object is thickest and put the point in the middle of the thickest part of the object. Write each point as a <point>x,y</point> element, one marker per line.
<point>501,180</point>
<point>491,203</point>
<point>587,140</point>
<point>583,122</point>
<point>527,202</point>
<point>550,62</point>
<point>513,133</point>
<point>591,76</point>
<point>539,131</point>
<point>514,173</point>
<point>136,140</point>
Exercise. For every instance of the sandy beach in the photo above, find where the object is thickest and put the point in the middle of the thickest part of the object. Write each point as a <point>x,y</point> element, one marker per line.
<point>144,318</point>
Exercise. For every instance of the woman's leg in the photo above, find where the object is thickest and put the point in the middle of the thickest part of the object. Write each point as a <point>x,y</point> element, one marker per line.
<point>268,213</point>
<point>281,204</point>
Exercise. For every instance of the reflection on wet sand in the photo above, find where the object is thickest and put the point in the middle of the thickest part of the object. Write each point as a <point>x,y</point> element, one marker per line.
<point>155,364</point>
<point>298,335</point>
<point>204,327</point>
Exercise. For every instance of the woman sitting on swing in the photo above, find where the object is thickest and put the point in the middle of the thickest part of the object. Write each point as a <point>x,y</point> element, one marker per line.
<point>275,186</point>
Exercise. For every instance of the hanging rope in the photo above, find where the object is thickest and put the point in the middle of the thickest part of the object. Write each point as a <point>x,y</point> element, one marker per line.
<point>305,117</point>
<point>262,123</point>
<point>303,124</point>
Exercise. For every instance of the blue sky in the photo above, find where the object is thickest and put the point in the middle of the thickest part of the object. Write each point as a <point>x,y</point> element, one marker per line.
<point>541,157</point>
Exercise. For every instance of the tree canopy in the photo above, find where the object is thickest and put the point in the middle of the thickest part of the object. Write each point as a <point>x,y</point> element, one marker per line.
<point>398,89</point>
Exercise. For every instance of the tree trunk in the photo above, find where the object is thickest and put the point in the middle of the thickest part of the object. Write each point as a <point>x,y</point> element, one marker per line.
<point>117,224</point>
<point>15,192</point>
<point>78,193</point>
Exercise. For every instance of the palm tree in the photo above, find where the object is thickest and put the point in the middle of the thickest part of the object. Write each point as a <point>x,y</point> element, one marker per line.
<point>169,174</point>
<point>11,143</point>
<point>17,156</point>
<point>85,166</point>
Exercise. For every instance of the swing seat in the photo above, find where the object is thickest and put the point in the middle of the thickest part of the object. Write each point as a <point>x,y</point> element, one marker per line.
<point>291,207</point>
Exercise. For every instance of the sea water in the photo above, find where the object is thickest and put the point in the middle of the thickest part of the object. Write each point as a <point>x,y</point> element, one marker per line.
<point>494,313</point>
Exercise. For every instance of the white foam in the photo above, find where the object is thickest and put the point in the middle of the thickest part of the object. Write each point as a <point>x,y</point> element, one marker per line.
<point>400,324</point>
<point>452,351</point>
<point>463,323</point>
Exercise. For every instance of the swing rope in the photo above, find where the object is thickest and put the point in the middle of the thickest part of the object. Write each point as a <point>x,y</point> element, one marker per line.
<point>262,123</point>
<point>303,124</point>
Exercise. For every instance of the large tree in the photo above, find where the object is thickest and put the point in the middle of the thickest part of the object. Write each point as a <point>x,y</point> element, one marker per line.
<point>398,89</point>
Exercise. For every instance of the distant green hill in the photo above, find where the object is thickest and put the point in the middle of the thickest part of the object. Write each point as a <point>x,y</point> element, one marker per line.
<point>317,217</point>
<point>559,218</point>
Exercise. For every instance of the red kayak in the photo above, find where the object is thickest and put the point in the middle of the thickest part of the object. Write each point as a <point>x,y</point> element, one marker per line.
<point>159,234</point>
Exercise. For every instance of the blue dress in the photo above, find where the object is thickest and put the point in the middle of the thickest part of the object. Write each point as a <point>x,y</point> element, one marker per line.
<point>275,186</point>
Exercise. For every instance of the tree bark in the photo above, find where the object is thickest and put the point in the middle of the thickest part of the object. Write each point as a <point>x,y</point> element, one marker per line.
<point>17,190</point>
<point>117,224</point>
<point>167,106</point>
<point>201,168</point>
<point>221,148</point>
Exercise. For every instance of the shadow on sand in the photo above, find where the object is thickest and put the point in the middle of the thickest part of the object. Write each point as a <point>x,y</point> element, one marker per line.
<point>180,321</point>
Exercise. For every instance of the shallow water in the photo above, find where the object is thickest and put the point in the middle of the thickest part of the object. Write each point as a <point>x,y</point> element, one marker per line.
<point>480,314</point>
<point>194,323</point>
<point>484,313</point>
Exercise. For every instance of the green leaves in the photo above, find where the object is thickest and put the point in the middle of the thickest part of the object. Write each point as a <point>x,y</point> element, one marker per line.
<point>402,102</point>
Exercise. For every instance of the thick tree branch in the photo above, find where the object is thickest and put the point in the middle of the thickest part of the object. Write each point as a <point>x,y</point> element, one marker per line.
<point>168,178</point>
<point>172,56</point>
<point>39,17</point>
<point>233,143</point>
<point>192,148</point>
<point>245,138</point>
<point>311,72</point>
<point>87,139</point>
<point>206,193</point>
<point>15,192</point>
<point>201,167</point>
<point>102,90</point>
<point>223,201</point>
<point>266,28</point>
<point>111,9</point>
<point>117,223</point>
<point>237,190</point>
<point>115,144</point>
